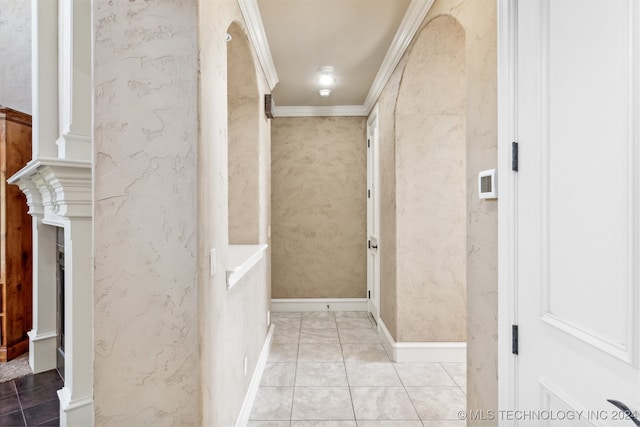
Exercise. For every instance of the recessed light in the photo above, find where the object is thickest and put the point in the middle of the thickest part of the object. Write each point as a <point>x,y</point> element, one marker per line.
<point>228,37</point>
<point>325,92</point>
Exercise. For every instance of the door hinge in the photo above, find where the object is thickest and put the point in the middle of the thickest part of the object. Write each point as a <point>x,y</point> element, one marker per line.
<point>514,156</point>
<point>368,143</point>
<point>369,244</point>
<point>369,294</point>
<point>514,339</point>
<point>368,194</point>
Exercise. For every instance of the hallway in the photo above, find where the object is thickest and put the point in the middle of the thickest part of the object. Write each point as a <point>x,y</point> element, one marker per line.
<point>330,369</point>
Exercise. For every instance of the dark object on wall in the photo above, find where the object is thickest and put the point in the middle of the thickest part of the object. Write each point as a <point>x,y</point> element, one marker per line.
<point>269,105</point>
<point>15,237</point>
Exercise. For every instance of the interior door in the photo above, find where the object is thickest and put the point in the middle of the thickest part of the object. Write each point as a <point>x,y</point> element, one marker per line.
<point>578,193</point>
<point>373,217</point>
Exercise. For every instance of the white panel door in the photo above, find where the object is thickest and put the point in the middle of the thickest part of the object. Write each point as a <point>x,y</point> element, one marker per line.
<point>578,193</point>
<point>373,216</point>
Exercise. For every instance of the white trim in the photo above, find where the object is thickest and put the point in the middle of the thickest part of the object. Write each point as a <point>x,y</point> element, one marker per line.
<point>255,28</point>
<point>75,412</point>
<point>242,258</point>
<point>409,26</point>
<point>252,391</point>
<point>319,304</point>
<point>507,208</point>
<point>421,352</point>
<point>321,111</point>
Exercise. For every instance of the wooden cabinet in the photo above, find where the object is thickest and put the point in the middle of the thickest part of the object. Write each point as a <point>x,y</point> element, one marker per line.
<point>15,237</point>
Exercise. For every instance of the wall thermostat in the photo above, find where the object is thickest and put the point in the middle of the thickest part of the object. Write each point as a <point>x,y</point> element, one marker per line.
<point>488,184</point>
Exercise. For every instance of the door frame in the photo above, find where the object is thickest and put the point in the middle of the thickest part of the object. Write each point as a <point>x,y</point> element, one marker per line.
<point>373,154</point>
<point>507,205</point>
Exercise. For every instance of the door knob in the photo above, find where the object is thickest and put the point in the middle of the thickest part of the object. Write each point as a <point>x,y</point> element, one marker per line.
<point>628,412</point>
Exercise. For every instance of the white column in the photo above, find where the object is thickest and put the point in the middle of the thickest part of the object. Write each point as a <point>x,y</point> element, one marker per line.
<point>42,338</point>
<point>76,397</point>
<point>44,77</point>
<point>75,80</point>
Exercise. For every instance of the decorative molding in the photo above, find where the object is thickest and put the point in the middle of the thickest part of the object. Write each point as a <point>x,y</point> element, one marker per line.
<point>551,391</point>
<point>251,13</point>
<point>75,411</point>
<point>252,391</point>
<point>64,187</point>
<point>409,26</point>
<point>507,208</point>
<point>421,352</point>
<point>319,304</point>
<point>321,111</point>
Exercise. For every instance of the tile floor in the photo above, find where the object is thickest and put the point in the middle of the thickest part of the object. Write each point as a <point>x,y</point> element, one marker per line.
<point>329,369</point>
<point>31,400</point>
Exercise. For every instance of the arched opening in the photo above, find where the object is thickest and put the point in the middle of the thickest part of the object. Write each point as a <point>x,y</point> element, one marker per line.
<point>431,183</point>
<point>243,103</point>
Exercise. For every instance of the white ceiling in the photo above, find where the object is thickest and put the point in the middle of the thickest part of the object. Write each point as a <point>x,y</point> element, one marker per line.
<point>353,36</point>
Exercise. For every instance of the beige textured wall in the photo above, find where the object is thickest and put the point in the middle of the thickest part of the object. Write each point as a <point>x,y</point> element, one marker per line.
<point>15,46</point>
<point>146,361</point>
<point>244,143</point>
<point>431,186</point>
<point>478,19</point>
<point>233,323</point>
<point>319,207</point>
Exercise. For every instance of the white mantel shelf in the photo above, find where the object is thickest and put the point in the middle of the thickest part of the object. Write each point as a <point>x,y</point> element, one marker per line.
<point>242,258</point>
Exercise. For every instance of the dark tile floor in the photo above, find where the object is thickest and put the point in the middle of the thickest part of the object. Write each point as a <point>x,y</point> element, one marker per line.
<point>31,400</point>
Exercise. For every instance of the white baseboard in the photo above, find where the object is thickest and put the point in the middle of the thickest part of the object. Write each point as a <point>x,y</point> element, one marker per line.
<point>421,352</point>
<point>252,391</point>
<point>319,304</point>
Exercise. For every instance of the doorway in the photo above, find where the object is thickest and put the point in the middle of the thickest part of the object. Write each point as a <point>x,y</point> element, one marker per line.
<point>60,301</point>
<point>373,217</point>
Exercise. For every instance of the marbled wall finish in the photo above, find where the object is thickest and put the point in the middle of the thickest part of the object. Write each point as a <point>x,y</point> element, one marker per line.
<point>431,186</point>
<point>147,363</point>
<point>244,141</point>
<point>387,163</point>
<point>233,323</point>
<point>478,19</point>
<point>15,45</point>
<point>319,207</point>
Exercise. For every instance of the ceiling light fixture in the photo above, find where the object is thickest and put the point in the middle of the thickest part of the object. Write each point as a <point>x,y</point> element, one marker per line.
<point>325,92</point>
<point>326,76</point>
<point>326,80</point>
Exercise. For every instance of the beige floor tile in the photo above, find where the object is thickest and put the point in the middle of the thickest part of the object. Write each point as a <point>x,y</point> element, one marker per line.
<point>353,323</point>
<point>382,403</point>
<point>423,375</point>
<point>320,353</point>
<point>286,335</point>
<point>318,314</point>
<point>318,323</point>
<point>322,403</point>
<point>360,314</point>
<point>458,372</point>
<point>268,424</point>
<point>283,314</point>
<point>359,336</point>
<point>278,375</point>
<point>445,423</point>
<point>283,352</point>
<point>319,336</point>
<point>361,374</point>
<point>272,403</point>
<point>286,322</point>
<point>321,375</point>
<point>364,353</point>
<point>438,403</point>
<point>387,423</point>
<point>323,423</point>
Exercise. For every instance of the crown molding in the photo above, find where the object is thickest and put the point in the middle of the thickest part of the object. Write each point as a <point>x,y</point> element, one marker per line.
<point>321,111</point>
<point>409,26</point>
<point>255,28</point>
